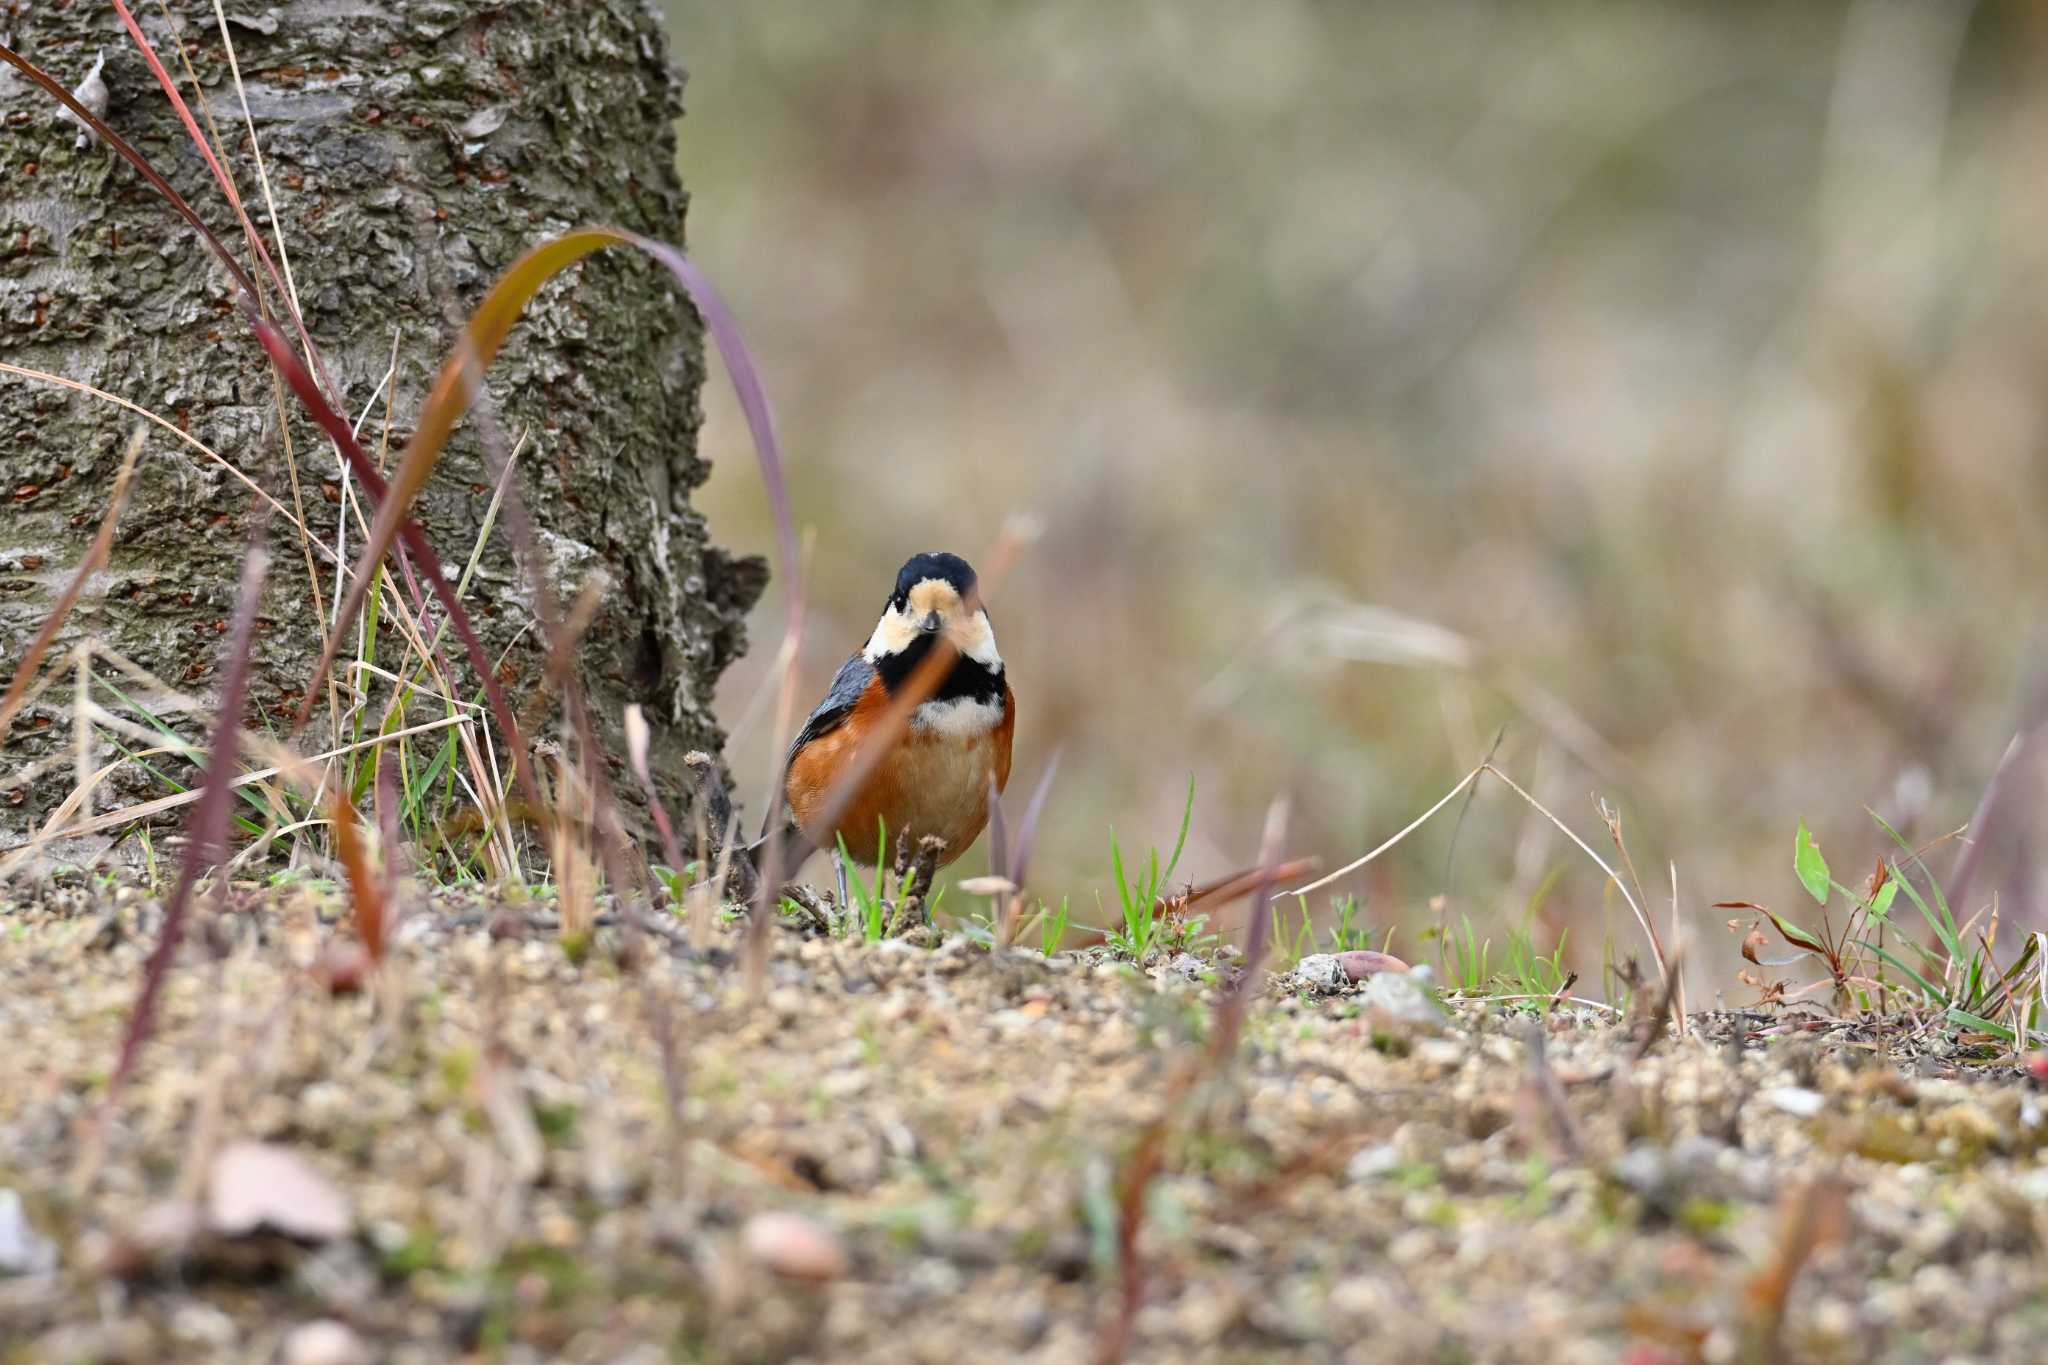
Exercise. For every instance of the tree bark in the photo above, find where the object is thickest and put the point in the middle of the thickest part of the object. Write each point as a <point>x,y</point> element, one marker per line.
<point>414,149</point>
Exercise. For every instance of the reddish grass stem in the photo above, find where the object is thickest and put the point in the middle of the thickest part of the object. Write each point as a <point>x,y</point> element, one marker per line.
<point>206,832</point>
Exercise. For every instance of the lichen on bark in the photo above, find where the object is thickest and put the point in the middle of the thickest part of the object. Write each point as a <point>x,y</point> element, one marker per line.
<point>414,150</point>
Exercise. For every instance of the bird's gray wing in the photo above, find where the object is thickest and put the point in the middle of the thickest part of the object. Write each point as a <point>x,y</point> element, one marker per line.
<point>847,685</point>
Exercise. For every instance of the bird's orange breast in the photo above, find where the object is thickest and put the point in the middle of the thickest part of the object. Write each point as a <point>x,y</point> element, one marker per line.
<point>932,781</point>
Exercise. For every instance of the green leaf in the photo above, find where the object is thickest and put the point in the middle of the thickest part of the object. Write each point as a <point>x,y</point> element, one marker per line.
<point>1811,867</point>
<point>1932,884</point>
<point>1796,936</point>
<point>1881,903</point>
<point>1944,927</point>
<point>1187,815</point>
<point>1979,1023</point>
<point>1927,987</point>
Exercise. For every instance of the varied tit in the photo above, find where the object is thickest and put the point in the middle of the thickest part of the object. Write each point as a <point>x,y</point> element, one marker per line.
<point>934,780</point>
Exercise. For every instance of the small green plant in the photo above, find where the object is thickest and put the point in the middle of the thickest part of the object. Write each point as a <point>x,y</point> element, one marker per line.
<point>1965,980</point>
<point>675,884</point>
<point>1959,976</point>
<point>868,909</point>
<point>1532,972</point>
<point>1052,928</point>
<point>1346,935</point>
<point>1139,900</point>
<point>1186,933</point>
<point>1291,941</point>
<point>1468,964</point>
<point>1842,953</point>
<point>1291,944</point>
<point>1050,925</point>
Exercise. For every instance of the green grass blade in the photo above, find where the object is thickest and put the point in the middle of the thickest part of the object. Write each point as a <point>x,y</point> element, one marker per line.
<point>1983,1025</point>
<point>1187,815</point>
<point>1922,982</point>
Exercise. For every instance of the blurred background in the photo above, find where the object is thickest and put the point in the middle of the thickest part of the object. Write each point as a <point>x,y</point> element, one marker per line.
<point>1660,383</point>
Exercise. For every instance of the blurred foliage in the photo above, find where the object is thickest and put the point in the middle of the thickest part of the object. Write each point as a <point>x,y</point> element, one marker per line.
<point>1662,383</point>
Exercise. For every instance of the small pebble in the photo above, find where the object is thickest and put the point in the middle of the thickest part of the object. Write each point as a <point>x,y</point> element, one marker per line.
<point>1323,972</point>
<point>23,1250</point>
<point>794,1247</point>
<point>1795,1100</point>
<point>1360,963</point>
<point>259,1184</point>
<point>325,1342</point>
<point>1369,1163</point>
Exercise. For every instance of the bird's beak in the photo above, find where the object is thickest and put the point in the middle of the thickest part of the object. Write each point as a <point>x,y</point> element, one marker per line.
<point>931,623</point>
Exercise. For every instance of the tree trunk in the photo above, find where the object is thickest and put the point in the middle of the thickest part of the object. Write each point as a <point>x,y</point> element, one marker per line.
<point>414,148</point>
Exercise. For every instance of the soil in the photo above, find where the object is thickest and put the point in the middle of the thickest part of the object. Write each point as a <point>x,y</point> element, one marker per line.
<point>903,1152</point>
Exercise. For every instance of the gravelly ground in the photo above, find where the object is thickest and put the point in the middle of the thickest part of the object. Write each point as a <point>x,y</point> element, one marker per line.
<point>511,1180</point>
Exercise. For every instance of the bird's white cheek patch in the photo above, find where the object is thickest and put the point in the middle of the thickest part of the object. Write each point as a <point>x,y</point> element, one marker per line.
<point>957,717</point>
<point>977,640</point>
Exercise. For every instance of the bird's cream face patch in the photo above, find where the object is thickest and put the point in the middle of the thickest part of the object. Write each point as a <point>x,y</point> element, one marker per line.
<point>968,630</point>
<point>893,634</point>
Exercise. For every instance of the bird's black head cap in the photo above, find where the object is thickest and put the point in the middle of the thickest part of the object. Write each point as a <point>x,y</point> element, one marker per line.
<point>947,568</point>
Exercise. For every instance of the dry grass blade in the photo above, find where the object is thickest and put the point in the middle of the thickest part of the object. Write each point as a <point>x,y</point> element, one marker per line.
<point>1229,888</point>
<point>289,765</point>
<point>1417,823</point>
<point>416,543</point>
<point>456,387</point>
<point>206,842</point>
<point>636,756</point>
<point>1020,853</point>
<point>1547,1117</point>
<point>95,556</point>
<point>284,256</point>
<point>753,400</point>
<point>1027,828</point>
<point>1642,918</point>
<point>1980,819</point>
<point>170,428</point>
<point>366,889</point>
<point>1008,860</point>
<point>1815,1214</point>
<point>1138,1173</point>
<point>220,174</point>
<point>1611,817</point>
<point>453,391</point>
